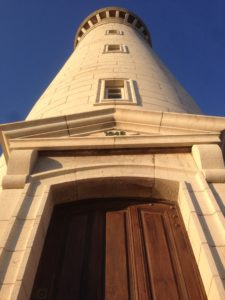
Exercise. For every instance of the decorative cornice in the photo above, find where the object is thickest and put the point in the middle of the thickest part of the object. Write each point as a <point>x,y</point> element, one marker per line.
<point>143,129</point>
<point>115,142</point>
<point>112,15</point>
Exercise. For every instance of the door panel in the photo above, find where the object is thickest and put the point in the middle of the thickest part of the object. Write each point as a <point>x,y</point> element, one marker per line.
<point>115,249</point>
<point>160,266</point>
<point>117,274</point>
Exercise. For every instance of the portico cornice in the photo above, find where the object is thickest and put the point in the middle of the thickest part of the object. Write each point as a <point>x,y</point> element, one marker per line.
<point>142,129</point>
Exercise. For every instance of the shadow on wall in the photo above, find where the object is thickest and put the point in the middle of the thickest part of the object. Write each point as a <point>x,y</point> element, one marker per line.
<point>12,243</point>
<point>138,96</point>
<point>219,201</point>
<point>46,164</point>
<point>208,235</point>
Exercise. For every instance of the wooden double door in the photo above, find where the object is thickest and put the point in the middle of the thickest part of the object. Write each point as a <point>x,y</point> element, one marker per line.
<point>117,250</point>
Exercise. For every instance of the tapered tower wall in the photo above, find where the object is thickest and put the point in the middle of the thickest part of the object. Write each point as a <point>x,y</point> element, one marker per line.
<point>77,85</point>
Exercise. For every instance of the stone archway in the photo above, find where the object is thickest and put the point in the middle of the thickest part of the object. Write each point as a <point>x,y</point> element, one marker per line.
<point>62,189</point>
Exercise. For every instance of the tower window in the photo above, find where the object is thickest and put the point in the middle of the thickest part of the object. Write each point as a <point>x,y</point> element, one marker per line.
<point>120,91</point>
<point>122,14</point>
<point>130,19</point>
<point>114,93</point>
<point>112,13</point>
<point>114,32</point>
<point>139,25</point>
<point>114,48</point>
<point>102,15</point>
<point>114,89</point>
<point>86,26</point>
<point>94,20</point>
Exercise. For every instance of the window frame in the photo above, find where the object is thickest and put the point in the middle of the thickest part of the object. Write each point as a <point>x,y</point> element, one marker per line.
<point>117,32</point>
<point>126,86</point>
<point>122,48</point>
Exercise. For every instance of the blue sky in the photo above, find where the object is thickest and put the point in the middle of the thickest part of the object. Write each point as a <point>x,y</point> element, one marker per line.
<point>36,38</point>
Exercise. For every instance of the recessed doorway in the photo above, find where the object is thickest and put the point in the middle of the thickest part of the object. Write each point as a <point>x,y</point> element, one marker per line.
<point>117,249</point>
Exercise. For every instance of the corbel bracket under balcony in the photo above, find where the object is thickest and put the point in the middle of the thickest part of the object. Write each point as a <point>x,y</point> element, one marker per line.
<point>20,165</point>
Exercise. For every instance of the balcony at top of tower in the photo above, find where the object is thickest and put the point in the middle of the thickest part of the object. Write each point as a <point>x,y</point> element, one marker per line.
<point>112,15</point>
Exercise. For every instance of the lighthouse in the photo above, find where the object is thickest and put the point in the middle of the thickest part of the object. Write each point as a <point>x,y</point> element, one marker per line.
<point>113,186</point>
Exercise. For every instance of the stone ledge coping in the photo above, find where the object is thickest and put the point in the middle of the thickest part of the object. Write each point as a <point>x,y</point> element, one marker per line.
<point>115,142</point>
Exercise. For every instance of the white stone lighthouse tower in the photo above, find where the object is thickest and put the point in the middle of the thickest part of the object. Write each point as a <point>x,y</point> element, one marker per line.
<point>113,64</point>
<point>114,185</point>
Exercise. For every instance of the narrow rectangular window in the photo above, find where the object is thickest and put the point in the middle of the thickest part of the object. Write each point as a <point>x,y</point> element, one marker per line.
<point>114,93</point>
<point>114,48</point>
<point>121,91</point>
<point>114,32</point>
<point>114,89</point>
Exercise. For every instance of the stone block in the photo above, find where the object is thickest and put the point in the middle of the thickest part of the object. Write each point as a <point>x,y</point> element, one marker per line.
<point>61,193</point>
<point>18,235</point>
<point>10,262</point>
<point>6,291</point>
<point>3,230</point>
<point>32,189</point>
<point>29,208</point>
<point>28,271</point>
<point>185,208</point>
<point>196,235</point>
<point>200,184</point>
<point>170,173</point>
<point>9,200</point>
<point>207,267</point>
<point>218,191</point>
<point>208,156</point>
<point>19,292</point>
<point>46,217</point>
<point>219,257</point>
<point>214,175</point>
<point>201,202</point>
<point>115,187</point>
<point>165,189</point>
<point>214,229</point>
<point>165,160</point>
<point>217,289</point>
